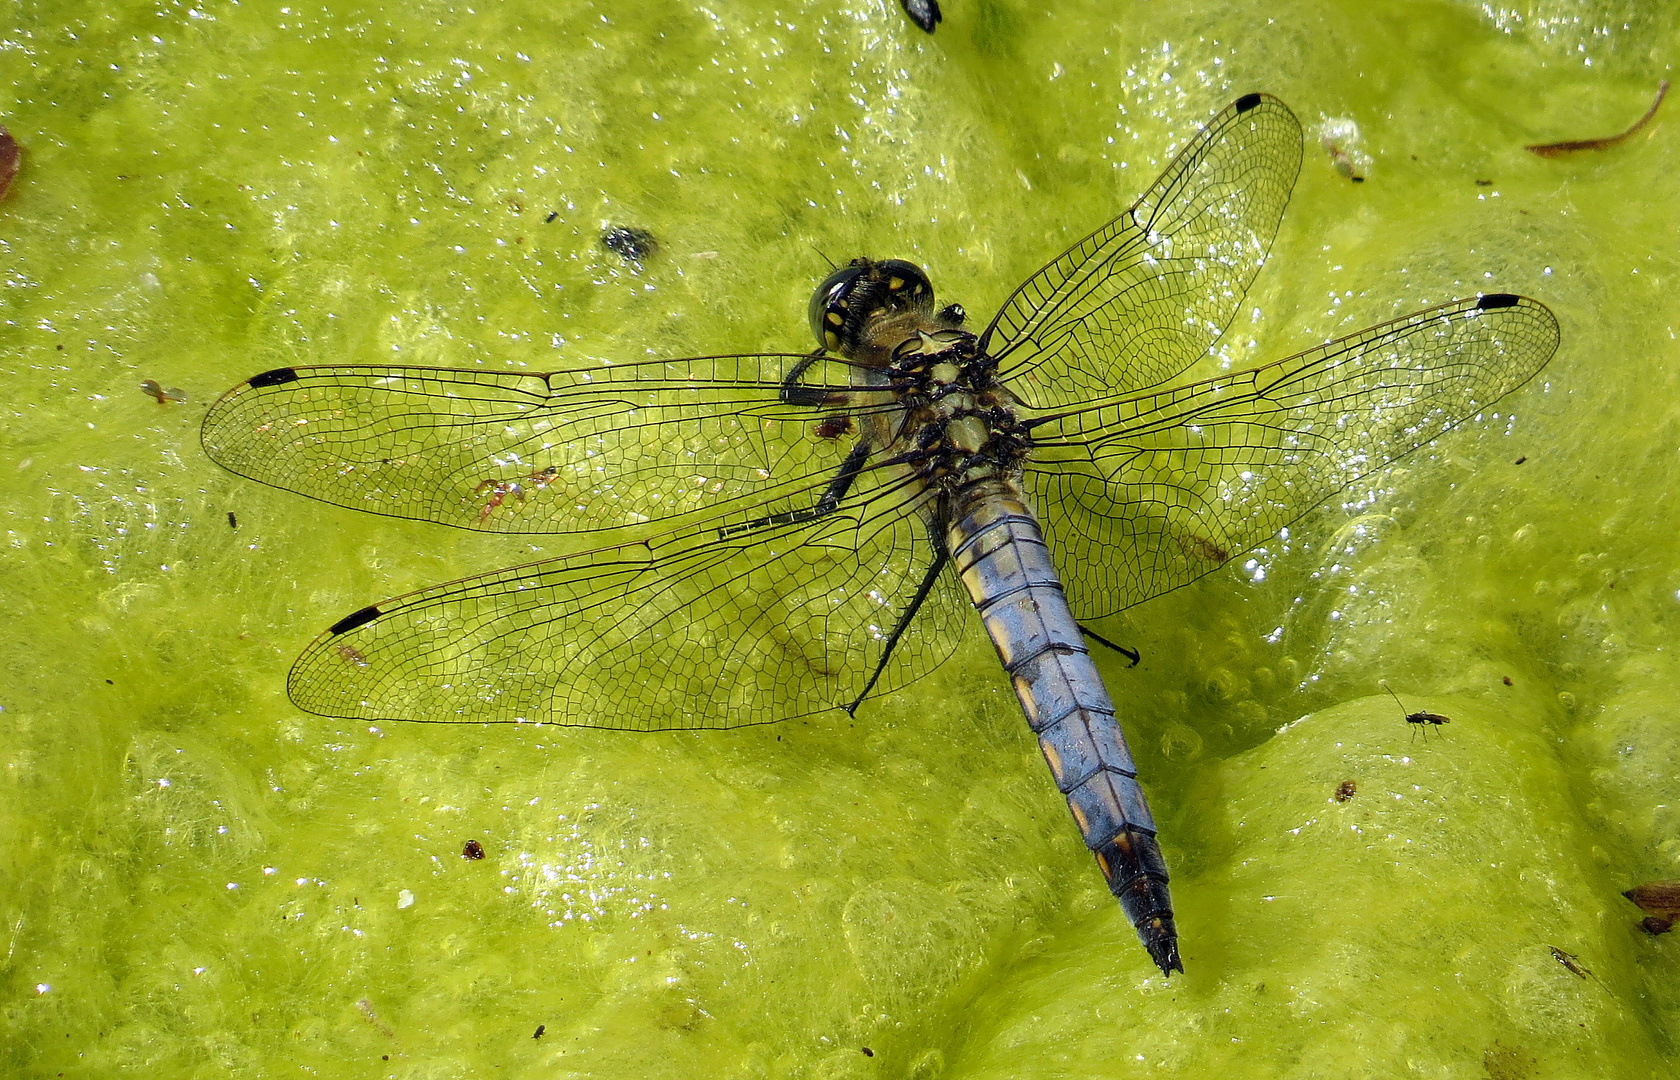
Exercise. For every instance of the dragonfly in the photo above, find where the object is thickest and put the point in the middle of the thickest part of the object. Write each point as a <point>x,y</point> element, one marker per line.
<point>787,534</point>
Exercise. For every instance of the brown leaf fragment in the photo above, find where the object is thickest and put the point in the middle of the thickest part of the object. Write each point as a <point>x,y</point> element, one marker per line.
<point>1557,149</point>
<point>1660,900</point>
<point>10,156</point>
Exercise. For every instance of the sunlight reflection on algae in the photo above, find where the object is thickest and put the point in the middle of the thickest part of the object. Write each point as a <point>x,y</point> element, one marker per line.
<point>211,191</point>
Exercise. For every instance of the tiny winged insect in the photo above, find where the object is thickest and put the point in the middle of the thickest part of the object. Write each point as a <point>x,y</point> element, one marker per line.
<point>1570,961</point>
<point>791,533</point>
<point>160,393</point>
<point>1421,721</point>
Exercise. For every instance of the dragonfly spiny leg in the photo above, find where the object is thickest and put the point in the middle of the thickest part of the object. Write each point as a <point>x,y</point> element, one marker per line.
<point>1131,654</point>
<point>794,392</point>
<point>941,557</point>
<point>826,504</point>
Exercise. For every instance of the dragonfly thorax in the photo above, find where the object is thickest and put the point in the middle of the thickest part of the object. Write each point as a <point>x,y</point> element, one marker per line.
<point>959,420</point>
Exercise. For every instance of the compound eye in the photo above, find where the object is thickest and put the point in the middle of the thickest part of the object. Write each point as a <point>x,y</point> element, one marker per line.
<point>906,285</point>
<point>850,297</point>
<point>829,304</point>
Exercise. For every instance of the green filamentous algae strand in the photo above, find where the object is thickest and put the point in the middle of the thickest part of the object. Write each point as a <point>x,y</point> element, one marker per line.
<point>197,879</point>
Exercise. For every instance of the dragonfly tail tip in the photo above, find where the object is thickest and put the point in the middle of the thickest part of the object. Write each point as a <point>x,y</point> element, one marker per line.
<point>1137,876</point>
<point>1165,954</point>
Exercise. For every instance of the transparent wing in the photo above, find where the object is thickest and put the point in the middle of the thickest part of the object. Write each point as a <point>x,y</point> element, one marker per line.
<point>1143,494</point>
<point>608,447</point>
<point>1146,295</point>
<point>725,627</point>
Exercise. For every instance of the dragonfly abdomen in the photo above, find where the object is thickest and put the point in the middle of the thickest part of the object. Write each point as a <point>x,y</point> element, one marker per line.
<point>998,551</point>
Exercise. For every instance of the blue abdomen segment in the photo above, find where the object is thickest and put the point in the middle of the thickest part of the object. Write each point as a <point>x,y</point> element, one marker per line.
<point>998,551</point>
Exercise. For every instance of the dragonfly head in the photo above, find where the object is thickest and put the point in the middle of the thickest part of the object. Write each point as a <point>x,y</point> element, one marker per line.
<point>858,294</point>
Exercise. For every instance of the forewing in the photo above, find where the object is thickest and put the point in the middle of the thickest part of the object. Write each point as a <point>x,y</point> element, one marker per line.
<point>676,441</point>
<point>1144,494</point>
<point>1146,295</point>
<point>708,629</point>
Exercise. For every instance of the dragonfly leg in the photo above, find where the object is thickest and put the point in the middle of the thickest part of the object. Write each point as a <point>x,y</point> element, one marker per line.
<point>843,479</point>
<point>941,557</point>
<point>827,503</point>
<point>794,392</point>
<point>1131,654</point>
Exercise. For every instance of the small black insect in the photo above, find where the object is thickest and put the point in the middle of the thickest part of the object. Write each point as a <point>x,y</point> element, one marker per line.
<point>868,1052</point>
<point>1346,790</point>
<point>924,13</point>
<point>632,245</point>
<point>1522,459</point>
<point>233,522</point>
<point>552,214</point>
<point>539,1032</point>
<point>475,850</point>
<point>1421,719</point>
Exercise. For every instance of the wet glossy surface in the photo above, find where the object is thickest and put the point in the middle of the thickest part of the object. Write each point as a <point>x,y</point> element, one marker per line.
<point>687,905</point>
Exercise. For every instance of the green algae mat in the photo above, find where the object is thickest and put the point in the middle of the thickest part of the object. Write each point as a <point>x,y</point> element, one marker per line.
<point>198,879</point>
